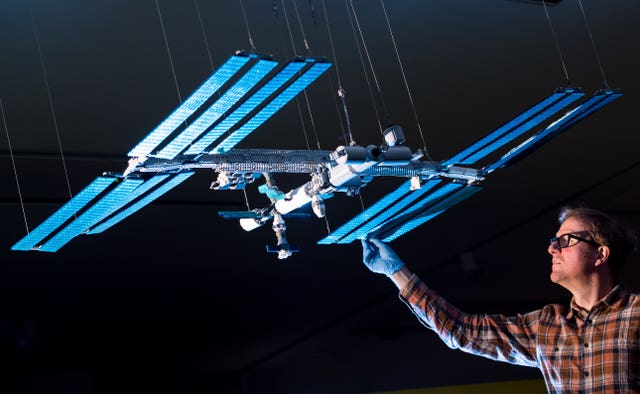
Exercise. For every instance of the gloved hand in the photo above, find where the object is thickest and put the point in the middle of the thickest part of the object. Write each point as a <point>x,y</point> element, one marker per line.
<point>379,257</point>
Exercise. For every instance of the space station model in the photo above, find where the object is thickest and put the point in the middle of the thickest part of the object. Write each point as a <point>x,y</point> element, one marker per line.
<point>244,93</point>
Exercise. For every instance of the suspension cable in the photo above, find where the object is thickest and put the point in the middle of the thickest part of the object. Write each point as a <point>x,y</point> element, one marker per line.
<point>348,137</point>
<point>166,44</point>
<point>593,44</point>
<point>304,92</point>
<point>304,36</point>
<point>293,45</point>
<point>406,84</point>
<point>373,71</point>
<point>246,23</point>
<point>15,170</point>
<point>364,68</point>
<point>555,39</point>
<point>204,36</point>
<point>51,106</point>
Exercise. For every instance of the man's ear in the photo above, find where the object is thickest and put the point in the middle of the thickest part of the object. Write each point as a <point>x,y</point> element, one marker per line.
<point>603,255</point>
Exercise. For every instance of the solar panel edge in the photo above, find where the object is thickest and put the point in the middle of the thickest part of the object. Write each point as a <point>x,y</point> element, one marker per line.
<point>300,83</point>
<point>147,197</point>
<point>543,116</point>
<point>438,208</point>
<point>181,113</point>
<point>217,109</point>
<point>411,197</point>
<point>107,202</point>
<point>463,156</point>
<point>63,214</point>
<point>246,108</point>
<point>572,117</point>
<point>359,219</point>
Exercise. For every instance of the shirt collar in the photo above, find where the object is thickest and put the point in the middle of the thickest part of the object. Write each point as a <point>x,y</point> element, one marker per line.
<point>613,299</point>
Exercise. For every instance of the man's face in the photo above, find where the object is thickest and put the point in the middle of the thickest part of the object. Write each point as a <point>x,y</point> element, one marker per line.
<point>573,264</point>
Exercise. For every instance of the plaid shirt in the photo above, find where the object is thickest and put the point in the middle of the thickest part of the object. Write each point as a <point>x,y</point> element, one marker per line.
<point>577,350</point>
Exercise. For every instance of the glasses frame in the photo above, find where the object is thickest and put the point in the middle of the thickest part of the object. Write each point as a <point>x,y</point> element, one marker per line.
<point>569,237</point>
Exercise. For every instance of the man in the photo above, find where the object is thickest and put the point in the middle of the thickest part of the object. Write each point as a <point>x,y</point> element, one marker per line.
<point>590,346</point>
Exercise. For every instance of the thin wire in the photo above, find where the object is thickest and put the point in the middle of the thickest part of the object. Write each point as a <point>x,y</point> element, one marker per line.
<point>293,45</point>
<point>306,95</point>
<point>286,18</point>
<point>206,43</point>
<point>593,44</point>
<point>204,35</point>
<point>366,50</point>
<point>313,123</point>
<point>246,22</point>
<point>51,106</point>
<point>555,39</point>
<point>348,136</point>
<point>15,170</point>
<point>166,43</point>
<point>304,128</point>
<point>364,68</point>
<point>333,48</point>
<point>304,36</point>
<point>406,84</point>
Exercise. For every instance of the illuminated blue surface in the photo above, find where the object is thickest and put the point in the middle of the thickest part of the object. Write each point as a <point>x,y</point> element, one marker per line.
<point>463,156</point>
<point>594,103</point>
<point>101,209</point>
<point>217,109</point>
<point>137,192</point>
<point>289,93</point>
<point>367,214</point>
<point>433,211</point>
<point>164,188</point>
<point>609,96</point>
<point>528,125</point>
<point>252,103</point>
<point>188,107</point>
<point>393,208</point>
<point>63,214</point>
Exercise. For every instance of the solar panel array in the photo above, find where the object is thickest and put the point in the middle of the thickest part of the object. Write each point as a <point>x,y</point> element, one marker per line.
<point>404,209</point>
<point>250,92</point>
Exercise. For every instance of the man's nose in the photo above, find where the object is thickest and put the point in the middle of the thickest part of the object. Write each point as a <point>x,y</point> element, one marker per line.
<point>553,247</point>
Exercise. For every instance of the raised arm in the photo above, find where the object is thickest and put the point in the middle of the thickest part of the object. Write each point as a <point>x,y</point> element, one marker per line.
<point>501,338</point>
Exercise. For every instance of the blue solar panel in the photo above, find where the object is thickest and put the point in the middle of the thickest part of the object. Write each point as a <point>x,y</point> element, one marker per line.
<point>137,192</point>
<point>433,211</point>
<point>507,127</point>
<point>594,103</point>
<point>217,109</point>
<point>101,209</point>
<point>252,103</point>
<point>189,106</point>
<point>392,209</point>
<point>367,214</point>
<point>609,96</point>
<point>63,214</point>
<point>530,124</point>
<point>289,93</point>
<point>164,188</point>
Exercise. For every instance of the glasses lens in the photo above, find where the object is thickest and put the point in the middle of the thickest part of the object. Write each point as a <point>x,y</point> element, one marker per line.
<point>563,240</point>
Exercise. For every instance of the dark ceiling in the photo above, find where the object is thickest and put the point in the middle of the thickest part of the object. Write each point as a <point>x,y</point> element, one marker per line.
<point>177,300</point>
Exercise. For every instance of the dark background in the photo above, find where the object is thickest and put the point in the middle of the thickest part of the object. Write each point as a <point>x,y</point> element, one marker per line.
<point>177,300</point>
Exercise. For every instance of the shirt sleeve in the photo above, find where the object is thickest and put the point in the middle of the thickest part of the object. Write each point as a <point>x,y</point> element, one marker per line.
<point>500,338</point>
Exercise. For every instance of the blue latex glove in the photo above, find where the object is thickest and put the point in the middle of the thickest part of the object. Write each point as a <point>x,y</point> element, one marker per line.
<point>379,257</point>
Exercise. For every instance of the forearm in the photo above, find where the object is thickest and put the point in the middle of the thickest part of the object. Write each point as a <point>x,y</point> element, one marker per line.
<point>401,278</point>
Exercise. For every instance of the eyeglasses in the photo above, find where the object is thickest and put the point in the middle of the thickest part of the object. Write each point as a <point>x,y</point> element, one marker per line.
<point>564,240</point>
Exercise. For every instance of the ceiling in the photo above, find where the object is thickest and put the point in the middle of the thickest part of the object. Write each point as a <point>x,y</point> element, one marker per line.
<point>175,299</point>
